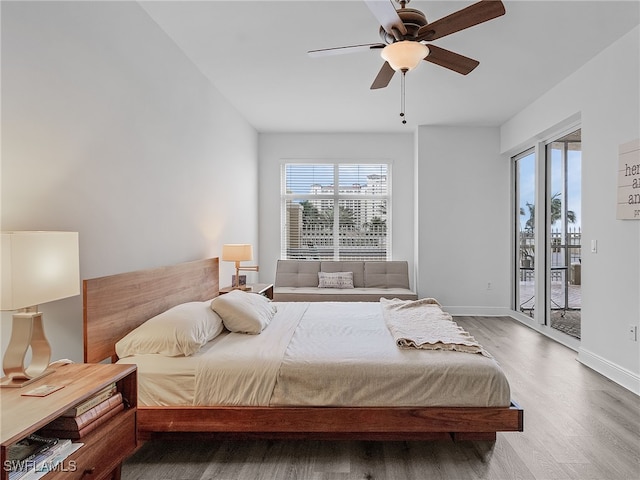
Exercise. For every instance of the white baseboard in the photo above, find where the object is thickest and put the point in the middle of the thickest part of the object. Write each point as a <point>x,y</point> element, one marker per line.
<point>615,373</point>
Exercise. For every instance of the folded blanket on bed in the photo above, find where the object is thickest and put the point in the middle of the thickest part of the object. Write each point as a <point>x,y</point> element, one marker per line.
<point>422,324</point>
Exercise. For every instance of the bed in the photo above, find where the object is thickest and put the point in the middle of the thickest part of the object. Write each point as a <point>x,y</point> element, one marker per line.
<point>116,305</point>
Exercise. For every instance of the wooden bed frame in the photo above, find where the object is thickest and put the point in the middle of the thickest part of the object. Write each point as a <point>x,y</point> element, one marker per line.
<point>115,305</point>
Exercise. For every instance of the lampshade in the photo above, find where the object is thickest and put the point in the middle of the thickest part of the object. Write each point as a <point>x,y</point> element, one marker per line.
<point>237,252</point>
<point>38,267</point>
<point>404,55</point>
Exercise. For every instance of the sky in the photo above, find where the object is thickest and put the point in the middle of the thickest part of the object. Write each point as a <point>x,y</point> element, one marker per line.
<point>574,189</point>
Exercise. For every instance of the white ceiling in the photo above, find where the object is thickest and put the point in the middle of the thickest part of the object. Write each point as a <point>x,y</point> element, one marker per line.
<point>254,52</point>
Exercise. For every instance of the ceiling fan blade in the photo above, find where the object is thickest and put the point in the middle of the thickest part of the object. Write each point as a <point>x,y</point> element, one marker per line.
<point>342,50</point>
<point>451,60</point>
<point>475,14</point>
<point>384,76</point>
<point>387,17</point>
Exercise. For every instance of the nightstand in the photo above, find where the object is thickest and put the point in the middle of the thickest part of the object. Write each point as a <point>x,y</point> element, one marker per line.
<point>105,448</point>
<point>265,289</point>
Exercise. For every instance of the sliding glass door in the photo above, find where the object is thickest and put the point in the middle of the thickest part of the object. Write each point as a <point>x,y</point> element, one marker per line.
<point>547,247</point>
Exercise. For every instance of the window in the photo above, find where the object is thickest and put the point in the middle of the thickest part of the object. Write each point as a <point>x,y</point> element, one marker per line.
<point>350,222</point>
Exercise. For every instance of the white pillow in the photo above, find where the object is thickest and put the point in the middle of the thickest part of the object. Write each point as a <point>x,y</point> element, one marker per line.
<point>181,330</point>
<point>335,280</point>
<point>244,312</point>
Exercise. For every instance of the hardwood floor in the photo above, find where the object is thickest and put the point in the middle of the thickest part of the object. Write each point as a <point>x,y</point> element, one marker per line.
<point>577,425</point>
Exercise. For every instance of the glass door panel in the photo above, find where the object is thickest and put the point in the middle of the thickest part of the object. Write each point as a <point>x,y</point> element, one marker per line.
<point>564,270</point>
<point>525,251</point>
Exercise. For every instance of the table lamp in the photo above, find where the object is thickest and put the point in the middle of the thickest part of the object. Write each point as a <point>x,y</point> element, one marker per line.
<point>239,252</point>
<point>37,267</point>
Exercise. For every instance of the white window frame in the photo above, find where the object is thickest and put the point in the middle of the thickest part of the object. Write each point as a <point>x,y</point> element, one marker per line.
<point>336,197</point>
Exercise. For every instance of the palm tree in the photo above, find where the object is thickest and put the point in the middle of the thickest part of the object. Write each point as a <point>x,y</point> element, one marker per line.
<point>556,213</point>
<point>310,213</point>
<point>346,218</point>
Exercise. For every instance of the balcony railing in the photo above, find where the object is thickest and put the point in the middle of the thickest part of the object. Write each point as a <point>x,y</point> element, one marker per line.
<point>566,251</point>
<point>318,243</point>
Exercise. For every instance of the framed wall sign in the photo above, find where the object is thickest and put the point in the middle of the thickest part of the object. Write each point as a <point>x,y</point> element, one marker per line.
<point>629,181</point>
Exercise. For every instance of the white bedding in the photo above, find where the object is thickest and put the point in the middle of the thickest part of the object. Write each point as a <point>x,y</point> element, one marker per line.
<point>242,369</point>
<point>340,354</point>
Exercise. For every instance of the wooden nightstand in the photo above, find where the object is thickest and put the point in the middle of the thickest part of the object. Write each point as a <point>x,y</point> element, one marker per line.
<point>265,289</point>
<point>104,448</point>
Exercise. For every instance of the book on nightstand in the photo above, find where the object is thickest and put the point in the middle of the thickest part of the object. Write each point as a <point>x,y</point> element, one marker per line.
<point>42,391</point>
<point>77,427</point>
<point>44,462</point>
<point>80,421</point>
<point>102,395</point>
<point>29,447</point>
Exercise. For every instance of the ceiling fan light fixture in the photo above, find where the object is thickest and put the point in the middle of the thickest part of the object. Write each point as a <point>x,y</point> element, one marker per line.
<point>404,55</point>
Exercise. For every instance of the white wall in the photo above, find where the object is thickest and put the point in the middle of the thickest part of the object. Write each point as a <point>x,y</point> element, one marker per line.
<point>109,130</point>
<point>462,202</point>
<point>274,148</point>
<point>606,94</point>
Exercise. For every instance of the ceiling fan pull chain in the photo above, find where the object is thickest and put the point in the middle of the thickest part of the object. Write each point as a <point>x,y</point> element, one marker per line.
<point>402,95</point>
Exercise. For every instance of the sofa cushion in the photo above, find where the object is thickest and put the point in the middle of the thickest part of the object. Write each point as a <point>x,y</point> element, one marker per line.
<point>297,281</point>
<point>339,266</point>
<point>315,294</point>
<point>386,274</point>
<point>297,273</point>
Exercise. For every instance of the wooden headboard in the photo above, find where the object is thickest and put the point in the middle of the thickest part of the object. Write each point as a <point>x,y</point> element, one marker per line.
<point>116,304</point>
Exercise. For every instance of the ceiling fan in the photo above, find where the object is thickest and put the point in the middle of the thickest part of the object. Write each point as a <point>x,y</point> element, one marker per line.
<point>405,30</point>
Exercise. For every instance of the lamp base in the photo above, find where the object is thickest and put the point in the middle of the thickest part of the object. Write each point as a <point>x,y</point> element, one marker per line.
<point>8,382</point>
<point>27,331</point>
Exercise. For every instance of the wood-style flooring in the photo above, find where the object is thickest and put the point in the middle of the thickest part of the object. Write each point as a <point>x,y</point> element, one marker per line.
<point>577,425</point>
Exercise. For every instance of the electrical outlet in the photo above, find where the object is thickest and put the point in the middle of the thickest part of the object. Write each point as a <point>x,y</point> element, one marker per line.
<point>633,333</point>
<point>488,285</point>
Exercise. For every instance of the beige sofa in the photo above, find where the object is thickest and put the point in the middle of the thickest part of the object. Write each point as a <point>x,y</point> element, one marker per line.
<point>297,281</point>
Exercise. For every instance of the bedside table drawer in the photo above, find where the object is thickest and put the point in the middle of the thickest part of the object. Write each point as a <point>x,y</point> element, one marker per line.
<point>103,450</point>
